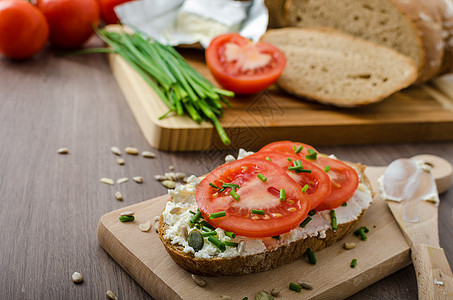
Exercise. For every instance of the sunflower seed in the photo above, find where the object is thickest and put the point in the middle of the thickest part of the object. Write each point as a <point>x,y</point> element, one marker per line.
<point>170,175</point>
<point>198,280</point>
<point>122,180</point>
<point>229,158</point>
<point>160,177</point>
<point>305,285</point>
<point>115,150</point>
<point>107,181</point>
<point>275,292</point>
<point>145,226</point>
<point>127,213</point>
<point>120,161</point>
<point>148,154</point>
<point>241,248</point>
<point>180,175</point>
<point>349,246</point>
<point>118,196</point>
<point>169,184</point>
<point>111,295</point>
<point>177,210</point>
<point>263,295</point>
<point>131,150</point>
<point>77,277</point>
<point>138,179</point>
<point>156,218</point>
<point>63,150</point>
<point>171,168</point>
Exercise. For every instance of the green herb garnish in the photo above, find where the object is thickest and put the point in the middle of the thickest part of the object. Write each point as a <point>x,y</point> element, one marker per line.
<point>313,154</point>
<point>333,220</point>
<point>311,256</point>
<point>305,222</point>
<point>208,233</point>
<point>305,188</point>
<point>231,244</point>
<point>344,204</point>
<point>230,234</point>
<point>312,212</point>
<point>282,195</point>
<point>127,218</point>
<point>261,177</point>
<point>326,169</point>
<point>216,242</point>
<point>298,149</point>
<point>230,185</point>
<point>354,263</point>
<point>361,233</point>
<point>196,217</point>
<point>295,287</point>
<point>217,215</point>
<point>235,195</point>
<point>258,212</point>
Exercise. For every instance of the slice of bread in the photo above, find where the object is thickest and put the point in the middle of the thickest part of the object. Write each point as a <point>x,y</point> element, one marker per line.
<point>335,68</point>
<point>245,264</point>
<point>420,29</point>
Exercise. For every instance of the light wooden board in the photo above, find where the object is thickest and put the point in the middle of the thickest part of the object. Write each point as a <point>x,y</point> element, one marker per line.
<point>142,255</point>
<point>420,113</point>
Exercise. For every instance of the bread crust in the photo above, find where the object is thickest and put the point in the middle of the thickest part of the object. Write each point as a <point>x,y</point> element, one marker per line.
<point>268,260</point>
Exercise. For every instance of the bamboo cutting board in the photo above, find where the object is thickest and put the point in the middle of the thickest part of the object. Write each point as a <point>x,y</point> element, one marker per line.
<point>142,255</point>
<point>420,113</point>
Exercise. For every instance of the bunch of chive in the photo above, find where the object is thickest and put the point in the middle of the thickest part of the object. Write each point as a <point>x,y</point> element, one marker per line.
<point>181,87</point>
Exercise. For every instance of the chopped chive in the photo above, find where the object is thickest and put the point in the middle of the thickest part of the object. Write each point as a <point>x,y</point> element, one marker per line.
<point>298,149</point>
<point>245,298</point>
<point>261,177</point>
<point>235,195</point>
<point>206,228</point>
<point>311,256</point>
<point>214,186</point>
<point>313,154</point>
<point>298,163</point>
<point>267,158</point>
<point>354,263</point>
<point>366,230</point>
<point>294,147</point>
<point>230,234</point>
<point>208,233</point>
<point>312,212</point>
<point>305,222</point>
<point>289,159</point>
<point>217,215</point>
<point>216,242</point>
<point>305,188</point>
<point>302,171</point>
<point>192,212</point>
<point>295,287</point>
<point>282,195</point>
<point>277,237</point>
<point>361,233</point>
<point>206,224</point>
<point>333,219</point>
<point>258,212</point>
<point>344,204</point>
<point>196,217</point>
<point>326,169</point>
<point>231,244</point>
<point>127,218</point>
<point>221,190</point>
<point>230,185</point>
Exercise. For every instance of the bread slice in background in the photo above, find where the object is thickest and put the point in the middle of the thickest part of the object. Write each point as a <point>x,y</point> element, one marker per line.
<point>335,68</point>
<point>420,29</point>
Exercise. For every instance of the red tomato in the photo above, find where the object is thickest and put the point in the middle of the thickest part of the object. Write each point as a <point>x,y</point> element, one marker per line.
<point>344,182</point>
<point>288,147</point>
<point>279,216</point>
<point>108,12</point>
<point>23,29</point>
<point>70,21</point>
<point>317,180</point>
<point>242,66</point>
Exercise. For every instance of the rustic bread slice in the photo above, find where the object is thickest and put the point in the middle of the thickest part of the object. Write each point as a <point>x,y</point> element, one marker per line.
<point>335,68</point>
<point>420,29</point>
<point>241,265</point>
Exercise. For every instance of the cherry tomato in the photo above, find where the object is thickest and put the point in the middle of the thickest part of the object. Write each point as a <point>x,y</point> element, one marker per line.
<point>317,181</point>
<point>289,147</point>
<point>257,211</point>
<point>70,21</point>
<point>242,66</point>
<point>344,182</point>
<point>23,29</point>
<point>108,10</point>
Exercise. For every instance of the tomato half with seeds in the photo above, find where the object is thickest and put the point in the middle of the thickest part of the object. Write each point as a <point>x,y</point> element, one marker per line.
<point>344,179</point>
<point>256,211</point>
<point>242,66</point>
<point>289,147</point>
<point>317,181</point>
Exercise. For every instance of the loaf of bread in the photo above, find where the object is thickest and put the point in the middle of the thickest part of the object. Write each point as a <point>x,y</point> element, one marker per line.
<point>420,29</point>
<point>335,68</point>
<point>286,253</point>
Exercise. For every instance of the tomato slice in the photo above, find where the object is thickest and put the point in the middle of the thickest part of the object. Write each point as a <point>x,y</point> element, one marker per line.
<point>279,216</point>
<point>344,182</point>
<point>317,180</point>
<point>242,66</point>
<point>289,147</point>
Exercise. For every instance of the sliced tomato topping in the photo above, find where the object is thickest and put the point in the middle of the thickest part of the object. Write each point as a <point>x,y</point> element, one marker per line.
<point>289,147</point>
<point>256,211</point>
<point>315,178</point>
<point>344,182</point>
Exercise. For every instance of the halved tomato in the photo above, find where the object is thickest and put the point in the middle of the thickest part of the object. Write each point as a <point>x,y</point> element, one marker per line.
<point>344,182</point>
<point>242,66</point>
<point>255,210</point>
<point>289,147</point>
<point>317,180</point>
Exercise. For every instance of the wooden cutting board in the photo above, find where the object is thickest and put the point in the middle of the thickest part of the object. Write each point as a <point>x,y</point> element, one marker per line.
<point>420,113</point>
<point>142,255</point>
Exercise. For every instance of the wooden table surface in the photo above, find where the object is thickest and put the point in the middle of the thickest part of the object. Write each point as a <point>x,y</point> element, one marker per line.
<point>51,203</point>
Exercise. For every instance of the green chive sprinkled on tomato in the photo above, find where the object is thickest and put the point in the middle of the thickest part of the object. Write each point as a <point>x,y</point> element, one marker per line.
<point>258,212</point>
<point>282,195</point>
<point>231,244</point>
<point>313,155</point>
<point>206,224</point>
<point>218,214</point>
<point>206,228</point>
<point>127,218</point>
<point>311,256</point>
<point>312,212</point>
<point>344,204</point>
<point>305,222</point>
<point>277,237</point>
<point>216,242</point>
<point>230,234</point>
<point>326,169</point>
<point>298,149</point>
<point>305,188</point>
<point>354,263</point>
<point>196,217</point>
<point>267,158</point>
<point>289,159</point>
<point>261,177</point>
<point>294,147</point>
<point>235,195</point>
<point>333,219</point>
<point>295,287</point>
<point>214,186</point>
<point>230,185</point>
<point>208,233</point>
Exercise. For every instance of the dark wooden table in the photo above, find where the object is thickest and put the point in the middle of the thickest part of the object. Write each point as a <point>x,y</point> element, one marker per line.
<point>51,203</point>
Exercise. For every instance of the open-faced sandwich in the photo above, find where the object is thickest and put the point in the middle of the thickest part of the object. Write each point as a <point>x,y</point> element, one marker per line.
<point>263,210</point>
